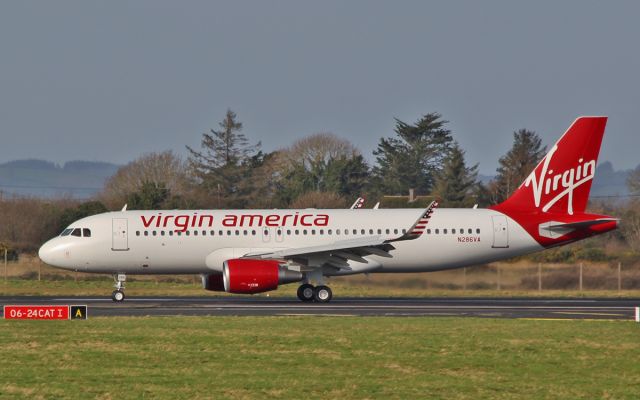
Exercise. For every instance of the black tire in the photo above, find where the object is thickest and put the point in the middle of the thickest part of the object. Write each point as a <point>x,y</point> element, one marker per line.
<point>322,294</point>
<point>306,292</point>
<point>117,296</point>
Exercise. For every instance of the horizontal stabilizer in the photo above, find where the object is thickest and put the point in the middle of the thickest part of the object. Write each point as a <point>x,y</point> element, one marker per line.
<point>555,229</point>
<point>581,224</point>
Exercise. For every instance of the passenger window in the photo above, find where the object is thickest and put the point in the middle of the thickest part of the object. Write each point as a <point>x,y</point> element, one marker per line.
<point>478,231</point>
<point>195,233</point>
<point>462,231</point>
<point>179,233</point>
<point>266,232</point>
<point>153,233</point>
<point>362,231</point>
<point>470,231</point>
<point>86,232</point>
<point>187,233</point>
<point>322,231</point>
<point>204,233</point>
<point>395,231</point>
<point>388,231</point>
<point>253,232</point>
<point>238,232</point>
<point>437,231</point>
<point>379,231</point>
<point>304,231</point>
<point>453,231</point>
<point>337,231</point>
<point>245,232</point>
<point>444,231</point>
<point>297,232</point>
<point>288,231</point>
<point>137,233</point>
<point>228,233</point>
<point>428,231</point>
<point>170,233</point>
<point>313,231</point>
<point>355,231</point>
<point>404,231</point>
<point>212,233</point>
<point>370,231</point>
<point>329,231</point>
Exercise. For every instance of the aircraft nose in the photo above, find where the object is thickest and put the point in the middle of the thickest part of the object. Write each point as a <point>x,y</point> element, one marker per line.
<point>47,252</point>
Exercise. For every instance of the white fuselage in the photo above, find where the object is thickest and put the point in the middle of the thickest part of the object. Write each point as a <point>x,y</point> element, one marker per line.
<point>199,241</point>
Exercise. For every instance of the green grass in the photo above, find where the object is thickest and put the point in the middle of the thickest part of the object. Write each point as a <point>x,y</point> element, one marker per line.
<point>342,287</point>
<point>319,357</point>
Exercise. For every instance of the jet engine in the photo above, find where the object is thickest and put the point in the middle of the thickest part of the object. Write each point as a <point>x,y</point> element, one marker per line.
<point>213,282</point>
<point>244,275</point>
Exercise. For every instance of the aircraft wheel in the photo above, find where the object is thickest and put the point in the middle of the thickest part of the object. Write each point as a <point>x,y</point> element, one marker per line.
<point>322,294</point>
<point>117,295</point>
<point>305,292</point>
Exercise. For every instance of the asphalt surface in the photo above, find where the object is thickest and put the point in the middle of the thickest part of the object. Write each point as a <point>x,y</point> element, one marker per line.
<point>536,308</point>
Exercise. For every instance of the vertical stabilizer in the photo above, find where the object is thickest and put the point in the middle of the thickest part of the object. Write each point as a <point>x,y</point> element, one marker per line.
<point>561,182</point>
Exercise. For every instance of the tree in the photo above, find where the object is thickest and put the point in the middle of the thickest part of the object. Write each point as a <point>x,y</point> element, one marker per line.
<point>86,209</point>
<point>225,158</point>
<point>633,181</point>
<point>322,162</point>
<point>347,176</point>
<point>151,196</point>
<point>137,179</point>
<point>413,157</point>
<point>316,199</point>
<point>515,166</point>
<point>456,185</point>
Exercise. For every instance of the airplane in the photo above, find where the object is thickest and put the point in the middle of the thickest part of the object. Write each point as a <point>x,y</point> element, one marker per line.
<point>254,251</point>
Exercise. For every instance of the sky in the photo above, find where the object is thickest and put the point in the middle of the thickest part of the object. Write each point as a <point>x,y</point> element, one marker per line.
<point>112,80</point>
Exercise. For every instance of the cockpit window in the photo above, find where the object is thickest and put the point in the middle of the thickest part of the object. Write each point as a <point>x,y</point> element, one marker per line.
<point>66,232</point>
<point>86,232</point>
<point>77,232</point>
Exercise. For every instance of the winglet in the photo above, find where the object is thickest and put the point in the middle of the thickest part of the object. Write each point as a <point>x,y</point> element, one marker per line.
<point>357,204</point>
<point>418,227</point>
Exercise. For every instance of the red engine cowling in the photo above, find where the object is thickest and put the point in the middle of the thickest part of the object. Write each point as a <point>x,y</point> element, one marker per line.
<point>213,282</point>
<point>244,275</point>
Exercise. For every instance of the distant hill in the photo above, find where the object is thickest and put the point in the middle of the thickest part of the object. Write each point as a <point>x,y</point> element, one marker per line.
<point>39,178</point>
<point>83,179</point>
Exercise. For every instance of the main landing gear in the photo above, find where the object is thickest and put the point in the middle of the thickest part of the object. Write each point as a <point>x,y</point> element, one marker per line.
<point>118,294</point>
<point>320,294</point>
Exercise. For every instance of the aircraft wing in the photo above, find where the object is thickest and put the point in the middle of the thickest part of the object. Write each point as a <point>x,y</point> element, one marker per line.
<point>338,253</point>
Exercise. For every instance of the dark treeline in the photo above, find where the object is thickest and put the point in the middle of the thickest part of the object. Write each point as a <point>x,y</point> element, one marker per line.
<point>230,170</point>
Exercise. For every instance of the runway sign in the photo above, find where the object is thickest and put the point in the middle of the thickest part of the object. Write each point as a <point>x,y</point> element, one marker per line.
<point>40,312</point>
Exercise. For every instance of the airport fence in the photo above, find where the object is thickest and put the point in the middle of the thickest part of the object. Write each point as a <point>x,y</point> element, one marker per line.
<point>517,276</point>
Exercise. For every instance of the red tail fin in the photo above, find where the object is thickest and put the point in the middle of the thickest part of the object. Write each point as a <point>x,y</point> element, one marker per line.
<point>561,182</point>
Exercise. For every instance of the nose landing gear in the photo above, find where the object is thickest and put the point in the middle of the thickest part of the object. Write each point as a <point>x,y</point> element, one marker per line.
<point>118,294</point>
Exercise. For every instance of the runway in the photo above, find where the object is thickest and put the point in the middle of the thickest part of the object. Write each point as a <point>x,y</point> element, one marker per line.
<point>532,308</point>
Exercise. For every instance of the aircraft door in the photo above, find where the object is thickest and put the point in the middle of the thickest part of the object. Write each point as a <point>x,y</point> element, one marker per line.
<point>120,237</point>
<point>500,231</point>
